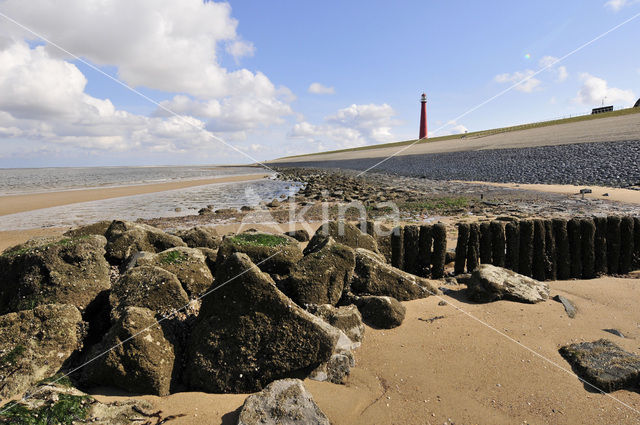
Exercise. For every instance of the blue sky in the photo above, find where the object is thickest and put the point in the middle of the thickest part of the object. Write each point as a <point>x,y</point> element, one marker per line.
<point>287,77</point>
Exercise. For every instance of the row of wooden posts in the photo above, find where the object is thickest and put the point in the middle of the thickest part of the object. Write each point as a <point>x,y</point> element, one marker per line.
<point>550,249</point>
<point>545,249</point>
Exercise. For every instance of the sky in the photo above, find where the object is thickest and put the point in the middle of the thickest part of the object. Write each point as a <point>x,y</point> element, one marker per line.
<point>169,82</point>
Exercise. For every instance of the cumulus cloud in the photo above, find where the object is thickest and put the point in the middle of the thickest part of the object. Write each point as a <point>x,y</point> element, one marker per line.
<point>317,88</point>
<point>356,125</point>
<point>158,44</point>
<point>616,5</point>
<point>595,89</point>
<point>527,86</point>
<point>561,71</point>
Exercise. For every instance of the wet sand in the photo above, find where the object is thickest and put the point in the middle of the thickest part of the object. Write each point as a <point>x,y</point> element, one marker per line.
<point>12,204</point>
<point>458,369</point>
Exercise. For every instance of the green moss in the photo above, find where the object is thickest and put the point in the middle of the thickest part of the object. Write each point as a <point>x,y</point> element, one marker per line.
<point>13,355</point>
<point>172,257</point>
<point>62,242</point>
<point>261,239</point>
<point>58,379</point>
<point>67,410</point>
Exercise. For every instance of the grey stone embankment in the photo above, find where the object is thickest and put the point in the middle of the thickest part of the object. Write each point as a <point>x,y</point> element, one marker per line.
<point>607,164</point>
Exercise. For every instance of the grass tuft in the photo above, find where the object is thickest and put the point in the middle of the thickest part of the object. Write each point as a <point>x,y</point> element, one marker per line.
<point>173,257</point>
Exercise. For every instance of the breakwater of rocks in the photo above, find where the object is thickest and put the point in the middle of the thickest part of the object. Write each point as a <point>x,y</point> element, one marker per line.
<point>613,164</point>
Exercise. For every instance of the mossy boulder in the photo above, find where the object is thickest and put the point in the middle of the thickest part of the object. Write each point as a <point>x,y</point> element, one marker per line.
<point>150,287</point>
<point>373,276</point>
<point>35,344</point>
<point>53,271</point>
<point>100,228</point>
<point>126,238</point>
<point>344,233</point>
<point>248,333</point>
<point>200,237</point>
<point>380,312</point>
<point>321,276</point>
<point>188,264</point>
<point>274,254</point>
<point>142,360</point>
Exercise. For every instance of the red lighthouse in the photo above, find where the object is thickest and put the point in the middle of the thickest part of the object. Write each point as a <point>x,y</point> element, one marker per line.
<point>423,117</point>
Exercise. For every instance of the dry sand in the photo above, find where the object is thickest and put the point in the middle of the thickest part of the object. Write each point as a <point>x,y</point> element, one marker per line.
<point>614,129</point>
<point>460,369</point>
<point>628,196</point>
<point>20,203</point>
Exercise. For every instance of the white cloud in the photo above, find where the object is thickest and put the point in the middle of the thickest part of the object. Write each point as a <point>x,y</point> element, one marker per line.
<point>561,71</point>
<point>595,89</point>
<point>356,125</point>
<point>317,88</point>
<point>458,129</point>
<point>239,49</point>
<point>616,5</point>
<point>527,86</point>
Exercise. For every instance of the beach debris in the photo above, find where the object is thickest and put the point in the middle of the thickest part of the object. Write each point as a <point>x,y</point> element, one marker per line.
<point>200,237</point>
<point>585,190</point>
<point>189,265</point>
<point>283,402</point>
<point>374,276</point>
<point>344,233</point>
<point>138,357</point>
<point>250,333</point>
<point>322,274</point>
<point>431,319</point>
<point>273,254</point>
<point>568,305</point>
<point>490,283</point>
<point>380,312</point>
<point>53,270</point>
<point>614,332</point>
<point>149,287</point>
<point>126,238</point>
<point>300,235</point>
<point>603,364</point>
<point>346,318</point>
<point>34,345</point>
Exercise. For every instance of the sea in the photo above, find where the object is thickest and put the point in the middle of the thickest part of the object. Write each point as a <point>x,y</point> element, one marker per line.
<point>170,203</point>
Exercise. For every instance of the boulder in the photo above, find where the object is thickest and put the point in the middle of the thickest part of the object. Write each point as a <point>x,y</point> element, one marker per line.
<point>99,228</point>
<point>344,233</point>
<point>150,287</point>
<point>126,238</point>
<point>274,254</point>
<point>35,344</point>
<point>188,264</point>
<point>283,402</point>
<point>300,235</point>
<point>53,271</point>
<point>491,283</point>
<point>139,358</point>
<point>200,237</point>
<point>380,312</point>
<point>603,365</point>
<point>321,276</point>
<point>59,403</point>
<point>347,318</point>
<point>249,333</point>
<point>337,368</point>
<point>373,276</point>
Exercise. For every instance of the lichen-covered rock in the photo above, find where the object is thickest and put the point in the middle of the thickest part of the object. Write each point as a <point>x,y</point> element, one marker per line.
<point>53,271</point>
<point>200,237</point>
<point>100,228</point>
<point>373,276</point>
<point>491,283</point>
<point>62,404</point>
<point>139,358</point>
<point>34,345</point>
<point>343,233</point>
<point>321,276</point>
<point>248,333</point>
<point>283,402</point>
<point>126,238</point>
<point>150,287</point>
<point>338,367</point>
<point>188,264</point>
<point>274,254</point>
<point>347,318</point>
<point>380,312</point>
<point>300,235</point>
<point>603,364</point>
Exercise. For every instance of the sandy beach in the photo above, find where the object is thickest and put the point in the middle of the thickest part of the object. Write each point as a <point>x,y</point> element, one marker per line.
<point>20,203</point>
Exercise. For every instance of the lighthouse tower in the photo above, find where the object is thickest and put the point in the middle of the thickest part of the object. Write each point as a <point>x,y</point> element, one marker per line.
<point>423,116</point>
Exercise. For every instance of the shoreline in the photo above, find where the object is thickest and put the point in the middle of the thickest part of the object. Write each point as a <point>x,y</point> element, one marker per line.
<point>13,204</point>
